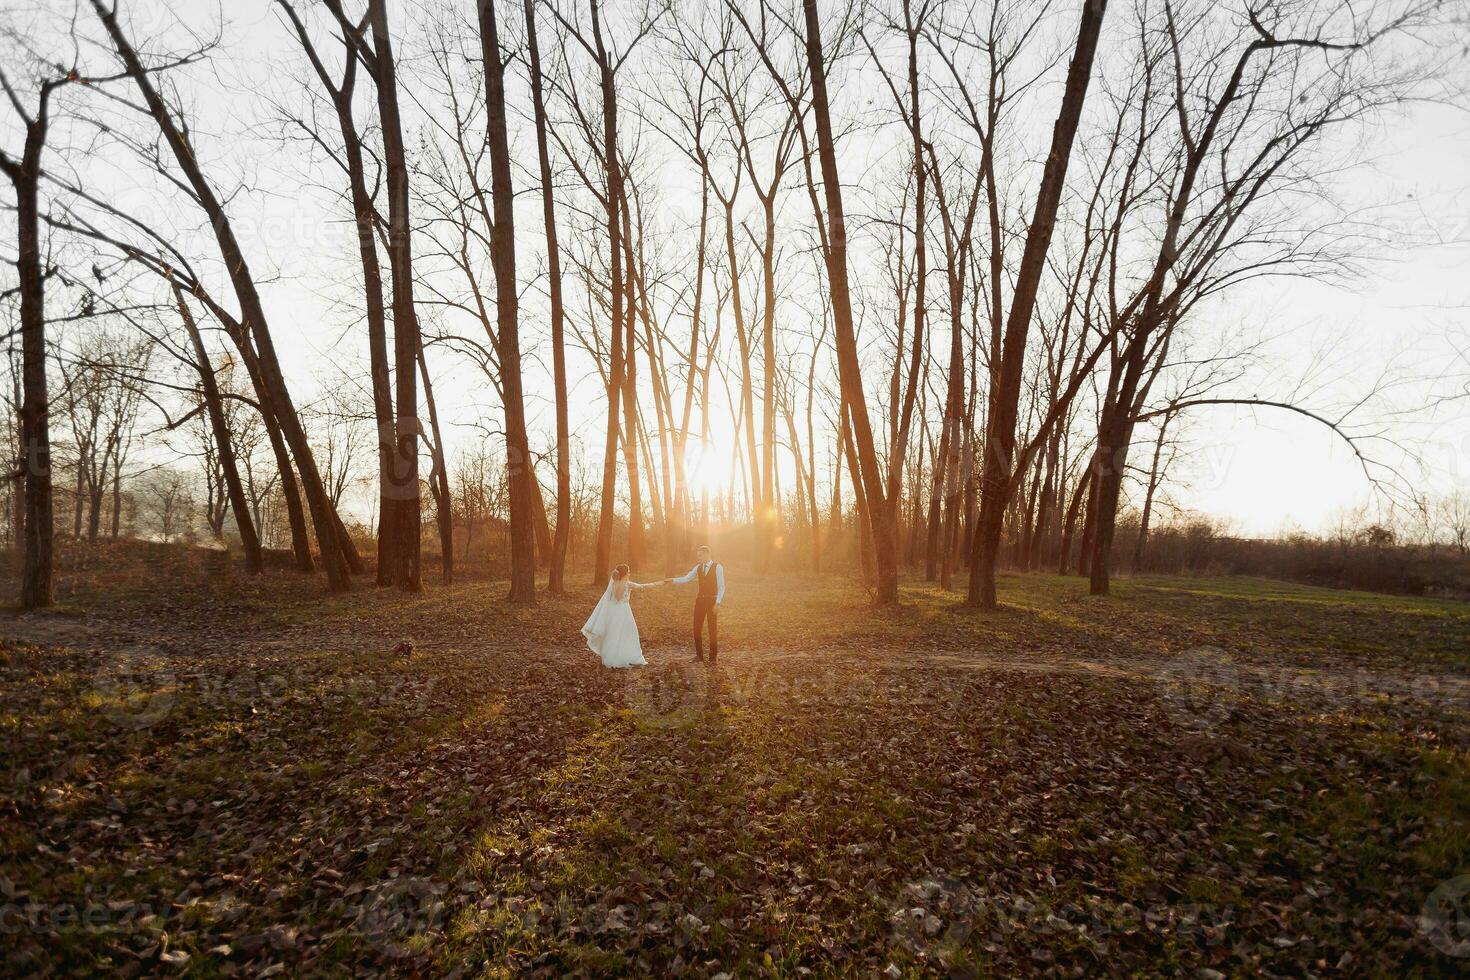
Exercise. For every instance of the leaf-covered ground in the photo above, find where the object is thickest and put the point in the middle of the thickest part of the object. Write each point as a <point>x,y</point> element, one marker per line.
<point>208,774</point>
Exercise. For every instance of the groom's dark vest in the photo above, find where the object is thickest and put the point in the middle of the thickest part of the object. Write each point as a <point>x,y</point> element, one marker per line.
<point>709,585</point>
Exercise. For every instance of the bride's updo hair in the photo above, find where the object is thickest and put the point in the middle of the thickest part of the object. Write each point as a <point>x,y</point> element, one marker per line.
<point>620,573</point>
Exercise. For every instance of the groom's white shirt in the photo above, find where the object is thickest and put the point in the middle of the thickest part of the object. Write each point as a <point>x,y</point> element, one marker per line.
<point>693,573</point>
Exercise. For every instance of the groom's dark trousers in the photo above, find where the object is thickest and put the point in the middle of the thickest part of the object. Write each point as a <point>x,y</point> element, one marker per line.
<point>706,612</point>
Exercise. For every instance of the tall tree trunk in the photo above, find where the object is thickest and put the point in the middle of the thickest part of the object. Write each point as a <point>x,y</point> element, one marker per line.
<point>556,578</point>
<point>17,487</point>
<point>1028,521</point>
<point>645,458</point>
<point>115,528</point>
<point>404,531</point>
<point>866,552</point>
<point>1154,476</point>
<point>1069,524</point>
<point>439,477</point>
<point>36,584</point>
<point>223,441</point>
<point>841,462</point>
<point>79,492</point>
<point>704,417</point>
<point>681,445</point>
<point>804,505</point>
<point>916,516</point>
<point>631,424</point>
<point>290,486</point>
<point>365,216</point>
<point>1114,436</point>
<point>949,482</point>
<point>916,358</point>
<point>869,489</point>
<point>811,442</point>
<point>1097,539</point>
<point>1089,524</point>
<point>747,396</point>
<point>602,562</point>
<point>377,329</point>
<point>671,471</point>
<point>1046,518</point>
<point>769,516</point>
<point>96,491</point>
<point>671,461</point>
<point>542,523</point>
<point>997,483</point>
<point>508,342</point>
<point>934,522</point>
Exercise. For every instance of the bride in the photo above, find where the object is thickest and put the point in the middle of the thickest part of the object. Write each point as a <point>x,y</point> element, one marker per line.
<point>611,631</point>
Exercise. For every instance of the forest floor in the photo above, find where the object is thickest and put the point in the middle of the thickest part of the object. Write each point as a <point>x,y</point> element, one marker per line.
<point>223,776</point>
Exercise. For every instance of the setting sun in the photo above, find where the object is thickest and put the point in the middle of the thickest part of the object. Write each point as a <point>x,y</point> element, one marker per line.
<point>709,467</point>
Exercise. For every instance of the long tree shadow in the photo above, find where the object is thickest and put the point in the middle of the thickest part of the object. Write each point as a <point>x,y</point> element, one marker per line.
<point>840,795</point>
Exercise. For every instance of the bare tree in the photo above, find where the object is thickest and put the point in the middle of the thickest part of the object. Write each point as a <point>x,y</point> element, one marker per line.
<point>24,170</point>
<point>507,336</point>
<point>1231,152</point>
<point>334,551</point>
<point>1008,358</point>
<point>368,222</point>
<point>556,582</point>
<point>608,61</point>
<point>1451,518</point>
<point>167,496</point>
<point>404,553</point>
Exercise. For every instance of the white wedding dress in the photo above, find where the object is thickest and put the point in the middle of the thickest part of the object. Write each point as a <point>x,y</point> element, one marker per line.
<point>611,631</point>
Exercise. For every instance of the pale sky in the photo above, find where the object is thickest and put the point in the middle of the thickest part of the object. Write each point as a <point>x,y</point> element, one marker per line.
<point>1409,314</point>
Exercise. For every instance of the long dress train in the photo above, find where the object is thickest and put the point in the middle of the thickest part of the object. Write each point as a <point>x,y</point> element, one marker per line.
<point>611,631</point>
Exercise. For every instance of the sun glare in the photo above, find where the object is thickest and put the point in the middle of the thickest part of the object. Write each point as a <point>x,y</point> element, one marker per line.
<point>709,466</point>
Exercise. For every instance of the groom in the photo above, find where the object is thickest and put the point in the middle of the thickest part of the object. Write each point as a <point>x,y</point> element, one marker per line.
<point>711,578</point>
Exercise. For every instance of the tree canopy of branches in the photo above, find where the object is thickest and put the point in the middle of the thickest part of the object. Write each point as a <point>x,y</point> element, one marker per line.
<point>882,282</point>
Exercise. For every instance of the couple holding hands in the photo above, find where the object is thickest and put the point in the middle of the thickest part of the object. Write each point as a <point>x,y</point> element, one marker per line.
<point>612,632</point>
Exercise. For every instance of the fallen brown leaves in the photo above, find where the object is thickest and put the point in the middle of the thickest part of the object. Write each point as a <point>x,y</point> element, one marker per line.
<point>247,778</point>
